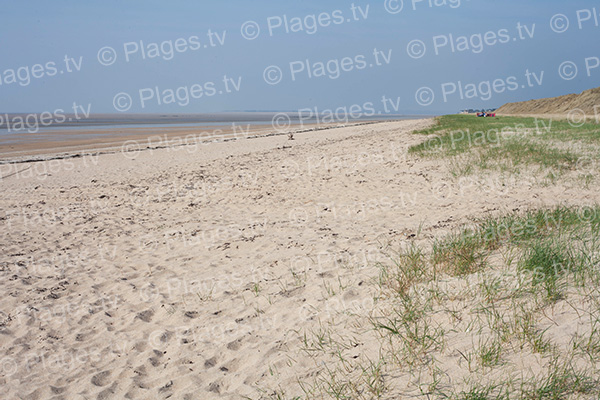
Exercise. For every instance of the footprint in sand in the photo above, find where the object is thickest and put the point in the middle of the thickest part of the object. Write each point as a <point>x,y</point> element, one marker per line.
<point>57,389</point>
<point>101,379</point>
<point>235,345</point>
<point>167,387</point>
<point>145,316</point>
<point>155,361</point>
<point>215,387</point>
<point>231,366</point>
<point>211,362</point>
<point>108,393</point>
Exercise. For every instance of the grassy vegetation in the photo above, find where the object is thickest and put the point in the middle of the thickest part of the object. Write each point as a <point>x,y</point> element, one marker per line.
<point>512,270</point>
<point>476,314</point>
<point>546,238</point>
<point>509,143</point>
<point>554,251</point>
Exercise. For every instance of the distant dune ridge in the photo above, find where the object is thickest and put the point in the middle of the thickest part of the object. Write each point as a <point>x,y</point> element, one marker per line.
<point>588,101</point>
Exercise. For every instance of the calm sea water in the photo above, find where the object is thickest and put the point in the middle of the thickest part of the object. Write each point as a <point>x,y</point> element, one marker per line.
<point>181,123</point>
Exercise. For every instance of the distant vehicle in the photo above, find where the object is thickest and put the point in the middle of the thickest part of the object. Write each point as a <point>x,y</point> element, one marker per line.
<point>486,114</point>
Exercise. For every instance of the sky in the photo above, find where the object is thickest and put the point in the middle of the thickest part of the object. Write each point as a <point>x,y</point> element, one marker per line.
<point>384,56</point>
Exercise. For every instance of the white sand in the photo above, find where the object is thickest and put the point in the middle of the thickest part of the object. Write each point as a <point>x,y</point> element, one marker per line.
<point>190,272</point>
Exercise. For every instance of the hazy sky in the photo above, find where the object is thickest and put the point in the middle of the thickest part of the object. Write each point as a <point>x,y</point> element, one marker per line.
<point>193,56</point>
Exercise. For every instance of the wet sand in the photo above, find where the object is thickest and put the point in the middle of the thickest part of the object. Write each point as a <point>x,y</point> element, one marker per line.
<point>25,146</point>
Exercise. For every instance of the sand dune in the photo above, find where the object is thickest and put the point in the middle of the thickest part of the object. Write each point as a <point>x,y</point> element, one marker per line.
<point>191,272</point>
<point>587,102</point>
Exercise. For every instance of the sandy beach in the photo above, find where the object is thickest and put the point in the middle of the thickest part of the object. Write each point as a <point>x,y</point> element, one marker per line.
<point>46,144</point>
<point>201,272</point>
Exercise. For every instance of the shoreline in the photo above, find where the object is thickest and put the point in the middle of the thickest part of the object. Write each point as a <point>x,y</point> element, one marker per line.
<point>74,149</point>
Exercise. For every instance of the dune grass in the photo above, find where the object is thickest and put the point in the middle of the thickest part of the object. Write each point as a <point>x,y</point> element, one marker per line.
<point>549,256</point>
<point>510,143</point>
<point>554,251</point>
<point>545,237</point>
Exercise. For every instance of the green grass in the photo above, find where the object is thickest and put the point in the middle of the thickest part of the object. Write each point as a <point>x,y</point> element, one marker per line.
<point>430,296</point>
<point>546,260</point>
<point>408,267</point>
<point>561,382</point>
<point>467,250</point>
<point>483,393</point>
<point>508,143</point>
<point>490,354</point>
